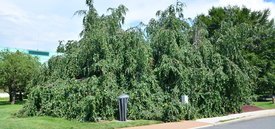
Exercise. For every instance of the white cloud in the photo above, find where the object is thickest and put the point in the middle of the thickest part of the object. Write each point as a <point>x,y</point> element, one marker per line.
<point>21,28</point>
<point>11,12</point>
<point>39,25</point>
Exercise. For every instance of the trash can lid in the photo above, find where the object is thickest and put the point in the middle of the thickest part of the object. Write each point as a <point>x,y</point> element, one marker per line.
<point>123,96</point>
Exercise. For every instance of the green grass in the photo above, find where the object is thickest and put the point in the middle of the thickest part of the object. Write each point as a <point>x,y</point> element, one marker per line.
<point>8,121</point>
<point>265,105</point>
<point>1,91</point>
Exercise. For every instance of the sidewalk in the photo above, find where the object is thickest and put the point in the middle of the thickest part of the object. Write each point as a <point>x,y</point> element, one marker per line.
<point>209,121</point>
<point>173,125</point>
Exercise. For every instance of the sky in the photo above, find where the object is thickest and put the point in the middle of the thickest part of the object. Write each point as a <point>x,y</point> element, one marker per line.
<point>40,24</point>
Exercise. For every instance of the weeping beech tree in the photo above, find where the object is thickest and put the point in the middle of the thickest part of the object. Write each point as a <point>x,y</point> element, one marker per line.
<point>154,66</point>
<point>187,62</point>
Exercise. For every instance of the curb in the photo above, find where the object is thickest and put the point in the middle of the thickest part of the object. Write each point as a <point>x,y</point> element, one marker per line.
<point>236,117</point>
<point>203,126</point>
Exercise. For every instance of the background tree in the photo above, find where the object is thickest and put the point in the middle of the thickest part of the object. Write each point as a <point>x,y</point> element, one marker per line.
<point>237,15</point>
<point>256,42</point>
<point>16,71</point>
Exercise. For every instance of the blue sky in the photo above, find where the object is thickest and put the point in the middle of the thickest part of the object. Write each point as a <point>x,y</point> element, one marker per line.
<point>37,24</point>
<point>270,1</point>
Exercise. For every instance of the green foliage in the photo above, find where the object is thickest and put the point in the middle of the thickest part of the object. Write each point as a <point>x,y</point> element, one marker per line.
<point>154,66</point>
<point>236,15</point>
<point>255,33</point>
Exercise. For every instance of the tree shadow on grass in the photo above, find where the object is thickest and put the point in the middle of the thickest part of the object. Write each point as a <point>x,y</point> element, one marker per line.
<point>4,101</point>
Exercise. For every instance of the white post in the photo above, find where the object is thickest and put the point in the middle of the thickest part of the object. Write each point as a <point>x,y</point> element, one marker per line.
<point>184,99</point>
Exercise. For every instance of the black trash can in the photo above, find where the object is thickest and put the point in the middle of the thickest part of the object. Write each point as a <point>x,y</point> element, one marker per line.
<point>122,102</point>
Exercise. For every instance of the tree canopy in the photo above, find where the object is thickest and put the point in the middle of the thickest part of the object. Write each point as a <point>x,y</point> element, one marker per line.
<point>256,40</point>
<point>16,71</point>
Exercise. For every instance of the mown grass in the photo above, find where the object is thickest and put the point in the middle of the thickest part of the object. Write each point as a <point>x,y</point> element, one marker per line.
<point>9,121</point>
<point>265,105</point>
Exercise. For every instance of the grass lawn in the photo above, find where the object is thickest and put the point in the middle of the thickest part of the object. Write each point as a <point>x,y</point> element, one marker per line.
<point>8,121</point>
<point>265,105</point>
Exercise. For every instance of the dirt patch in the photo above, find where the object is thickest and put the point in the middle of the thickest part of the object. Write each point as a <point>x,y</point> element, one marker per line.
<point>250,108</point>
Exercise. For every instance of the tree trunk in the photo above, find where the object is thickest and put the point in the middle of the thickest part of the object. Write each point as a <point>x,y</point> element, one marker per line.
<point>20,96</point>
<point>10,95</point>
<point>273,95</point>
<point>13,97</point>
<point>273,90</point>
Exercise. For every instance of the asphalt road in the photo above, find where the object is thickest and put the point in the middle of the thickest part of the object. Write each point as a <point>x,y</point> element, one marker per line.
<point>259,123</point>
